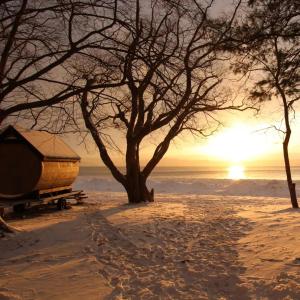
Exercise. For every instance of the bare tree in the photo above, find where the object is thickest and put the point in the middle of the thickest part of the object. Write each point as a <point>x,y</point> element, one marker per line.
<point>38,41</point>
<point>269,42</point>
<point>173,70</point>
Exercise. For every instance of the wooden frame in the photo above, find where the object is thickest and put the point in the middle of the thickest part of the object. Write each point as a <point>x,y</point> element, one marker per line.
<point>43,198</point>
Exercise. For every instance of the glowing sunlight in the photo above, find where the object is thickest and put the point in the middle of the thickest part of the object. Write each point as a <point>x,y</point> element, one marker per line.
<point>236,144</point>
<point>236,172</point>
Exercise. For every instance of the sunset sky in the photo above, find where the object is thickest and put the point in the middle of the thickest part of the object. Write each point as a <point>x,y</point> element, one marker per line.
<point>245,139</point>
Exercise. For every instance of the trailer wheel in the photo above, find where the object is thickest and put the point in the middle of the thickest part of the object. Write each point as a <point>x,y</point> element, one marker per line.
<point>61,204</point>
<point>19,208</point>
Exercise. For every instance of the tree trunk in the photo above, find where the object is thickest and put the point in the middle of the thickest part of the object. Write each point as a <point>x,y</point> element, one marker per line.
<point>135,183</point>
<point>291,184</point>
<point>137,190</point>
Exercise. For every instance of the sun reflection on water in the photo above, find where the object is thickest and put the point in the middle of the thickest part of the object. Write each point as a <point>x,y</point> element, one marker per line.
<point>236,172</point>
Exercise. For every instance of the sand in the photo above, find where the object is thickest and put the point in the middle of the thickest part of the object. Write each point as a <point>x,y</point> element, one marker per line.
<point>179,247</point>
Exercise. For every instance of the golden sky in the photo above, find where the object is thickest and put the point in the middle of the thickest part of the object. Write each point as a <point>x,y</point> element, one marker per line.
<point>245,139</point>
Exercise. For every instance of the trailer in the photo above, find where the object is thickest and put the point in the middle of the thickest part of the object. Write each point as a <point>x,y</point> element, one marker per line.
<point>36,168</point>
<point>60,199</point>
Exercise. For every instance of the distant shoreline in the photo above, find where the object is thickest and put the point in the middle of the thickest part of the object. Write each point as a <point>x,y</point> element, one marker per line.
<point>199,172</point>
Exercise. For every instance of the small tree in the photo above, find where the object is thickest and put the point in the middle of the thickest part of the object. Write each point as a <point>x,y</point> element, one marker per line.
<point>171,62</point>
<point>269,42</point>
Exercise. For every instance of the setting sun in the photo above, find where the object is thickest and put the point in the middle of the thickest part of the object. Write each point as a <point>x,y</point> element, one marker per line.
<point>236,172</point>
<point>237,144</point>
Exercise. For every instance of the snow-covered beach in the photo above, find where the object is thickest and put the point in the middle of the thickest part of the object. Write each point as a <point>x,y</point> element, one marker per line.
<point>198,186</point>
<point>200,239</point>
<point>149,150</point>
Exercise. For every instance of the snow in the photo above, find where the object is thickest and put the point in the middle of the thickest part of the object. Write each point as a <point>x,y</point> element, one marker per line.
<point>225,187</point>
<point>200,239</point>
<point>48,145</point>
